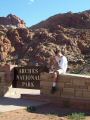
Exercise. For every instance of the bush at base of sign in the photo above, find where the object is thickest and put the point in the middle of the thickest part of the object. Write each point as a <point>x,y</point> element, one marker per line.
<point>31,108</point>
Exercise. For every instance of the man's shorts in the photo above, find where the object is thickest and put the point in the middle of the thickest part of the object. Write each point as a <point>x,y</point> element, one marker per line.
<point>60,71</point>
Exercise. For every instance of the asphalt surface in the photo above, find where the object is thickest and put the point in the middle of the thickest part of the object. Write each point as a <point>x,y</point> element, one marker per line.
<point>12,101</point>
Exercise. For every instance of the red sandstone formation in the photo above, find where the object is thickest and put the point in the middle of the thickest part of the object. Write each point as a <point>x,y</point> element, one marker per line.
<point>32,45</point>
<point>68,20</point>
<point>12,20</point>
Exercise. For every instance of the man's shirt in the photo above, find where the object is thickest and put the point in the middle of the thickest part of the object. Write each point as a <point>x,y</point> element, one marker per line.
<point>62,62</point>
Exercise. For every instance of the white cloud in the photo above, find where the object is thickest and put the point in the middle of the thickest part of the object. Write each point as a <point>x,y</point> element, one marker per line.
<point>31,0</point>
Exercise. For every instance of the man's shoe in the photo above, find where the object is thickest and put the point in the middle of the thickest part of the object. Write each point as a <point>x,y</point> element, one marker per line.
<point>53,90</point>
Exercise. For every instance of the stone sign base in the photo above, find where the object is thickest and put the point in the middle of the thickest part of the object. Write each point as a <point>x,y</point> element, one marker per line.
<point>6,77</point>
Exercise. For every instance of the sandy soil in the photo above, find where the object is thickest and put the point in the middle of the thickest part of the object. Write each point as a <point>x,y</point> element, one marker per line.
<point>24,115</point>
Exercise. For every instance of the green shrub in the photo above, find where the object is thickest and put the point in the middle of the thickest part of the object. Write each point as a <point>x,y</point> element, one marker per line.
<point>31,108</point>
<point>77,116</point>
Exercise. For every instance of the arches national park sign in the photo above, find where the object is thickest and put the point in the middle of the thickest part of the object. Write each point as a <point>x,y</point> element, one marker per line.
<point>27,77</point>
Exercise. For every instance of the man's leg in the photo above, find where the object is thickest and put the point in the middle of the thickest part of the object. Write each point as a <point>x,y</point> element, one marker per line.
<point>55,74</point>
<point>54,88</point>
<point>55,79</point>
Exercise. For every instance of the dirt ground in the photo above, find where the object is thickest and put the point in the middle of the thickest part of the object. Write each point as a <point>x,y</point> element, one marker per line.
<point>46,112</point>
<point>24,115</point>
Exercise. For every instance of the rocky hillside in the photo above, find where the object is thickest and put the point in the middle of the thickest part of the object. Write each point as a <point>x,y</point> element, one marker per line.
<point>38,43</point>
<point>68,20</point>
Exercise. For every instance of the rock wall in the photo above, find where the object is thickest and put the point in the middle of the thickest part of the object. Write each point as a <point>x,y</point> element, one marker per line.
<point>3,86</point>
<point>6,77</point>
<point>69,86</point>
<point>73,91</point>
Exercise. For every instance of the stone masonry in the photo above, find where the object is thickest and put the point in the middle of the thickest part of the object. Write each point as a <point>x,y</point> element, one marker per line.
<point>6,77</point>
<point>69,86</point>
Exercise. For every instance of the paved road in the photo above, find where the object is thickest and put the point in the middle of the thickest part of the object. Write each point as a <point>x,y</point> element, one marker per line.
<point>12,100</point>
<point>9,104</point>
